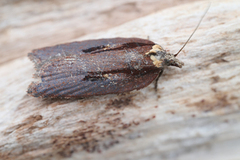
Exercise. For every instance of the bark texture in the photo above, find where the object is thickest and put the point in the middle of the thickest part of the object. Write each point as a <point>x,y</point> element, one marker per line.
<point>194,115</point>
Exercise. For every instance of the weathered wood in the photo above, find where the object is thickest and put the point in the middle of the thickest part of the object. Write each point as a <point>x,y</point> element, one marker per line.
<point>27,25</point>
<point>195,114</point>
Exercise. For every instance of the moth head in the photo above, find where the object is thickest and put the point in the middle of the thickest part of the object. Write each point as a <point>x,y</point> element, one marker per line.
<point>171,60</point>
<point>161,58</point>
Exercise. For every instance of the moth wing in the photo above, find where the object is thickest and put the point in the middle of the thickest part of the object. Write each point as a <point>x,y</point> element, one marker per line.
<point>75,49</point>
<point>67,78</point>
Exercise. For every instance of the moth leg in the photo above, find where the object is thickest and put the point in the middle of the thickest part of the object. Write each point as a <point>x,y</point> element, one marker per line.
<point>156,81</point>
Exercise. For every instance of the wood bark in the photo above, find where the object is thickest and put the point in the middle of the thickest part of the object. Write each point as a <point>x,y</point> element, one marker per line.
<point>195,113</point>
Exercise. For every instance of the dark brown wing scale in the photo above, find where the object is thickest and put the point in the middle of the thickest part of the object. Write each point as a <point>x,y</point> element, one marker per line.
<point>93,67</point>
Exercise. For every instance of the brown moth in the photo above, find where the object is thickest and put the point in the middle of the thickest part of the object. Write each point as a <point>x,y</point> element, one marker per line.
<point>99,67</point>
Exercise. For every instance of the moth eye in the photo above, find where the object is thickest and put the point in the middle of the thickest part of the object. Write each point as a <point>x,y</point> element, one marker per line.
<point>152,53</point>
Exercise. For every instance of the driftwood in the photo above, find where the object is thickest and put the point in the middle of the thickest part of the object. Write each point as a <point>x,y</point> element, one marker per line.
<point>194,115</point>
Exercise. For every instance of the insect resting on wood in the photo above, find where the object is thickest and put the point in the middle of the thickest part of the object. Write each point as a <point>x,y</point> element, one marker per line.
<point>99,67</point>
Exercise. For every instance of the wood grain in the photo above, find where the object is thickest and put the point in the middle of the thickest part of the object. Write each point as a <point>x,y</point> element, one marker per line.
<point>26,25</point>
<point>195,114</point>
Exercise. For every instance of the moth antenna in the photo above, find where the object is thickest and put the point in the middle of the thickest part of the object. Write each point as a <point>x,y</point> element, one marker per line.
<point>194,30</point>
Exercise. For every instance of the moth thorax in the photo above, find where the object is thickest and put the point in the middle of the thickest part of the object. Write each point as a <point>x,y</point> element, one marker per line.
<point>161,58</point>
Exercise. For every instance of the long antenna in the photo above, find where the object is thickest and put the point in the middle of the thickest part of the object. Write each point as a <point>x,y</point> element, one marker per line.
<point>194,30</point>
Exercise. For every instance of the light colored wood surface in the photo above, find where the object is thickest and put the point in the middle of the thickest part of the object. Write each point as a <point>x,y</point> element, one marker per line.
<point>195,114</point>
<point>27,24</point>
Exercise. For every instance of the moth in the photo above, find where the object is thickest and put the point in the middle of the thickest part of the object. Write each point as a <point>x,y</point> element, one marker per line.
<point>99,67</point>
